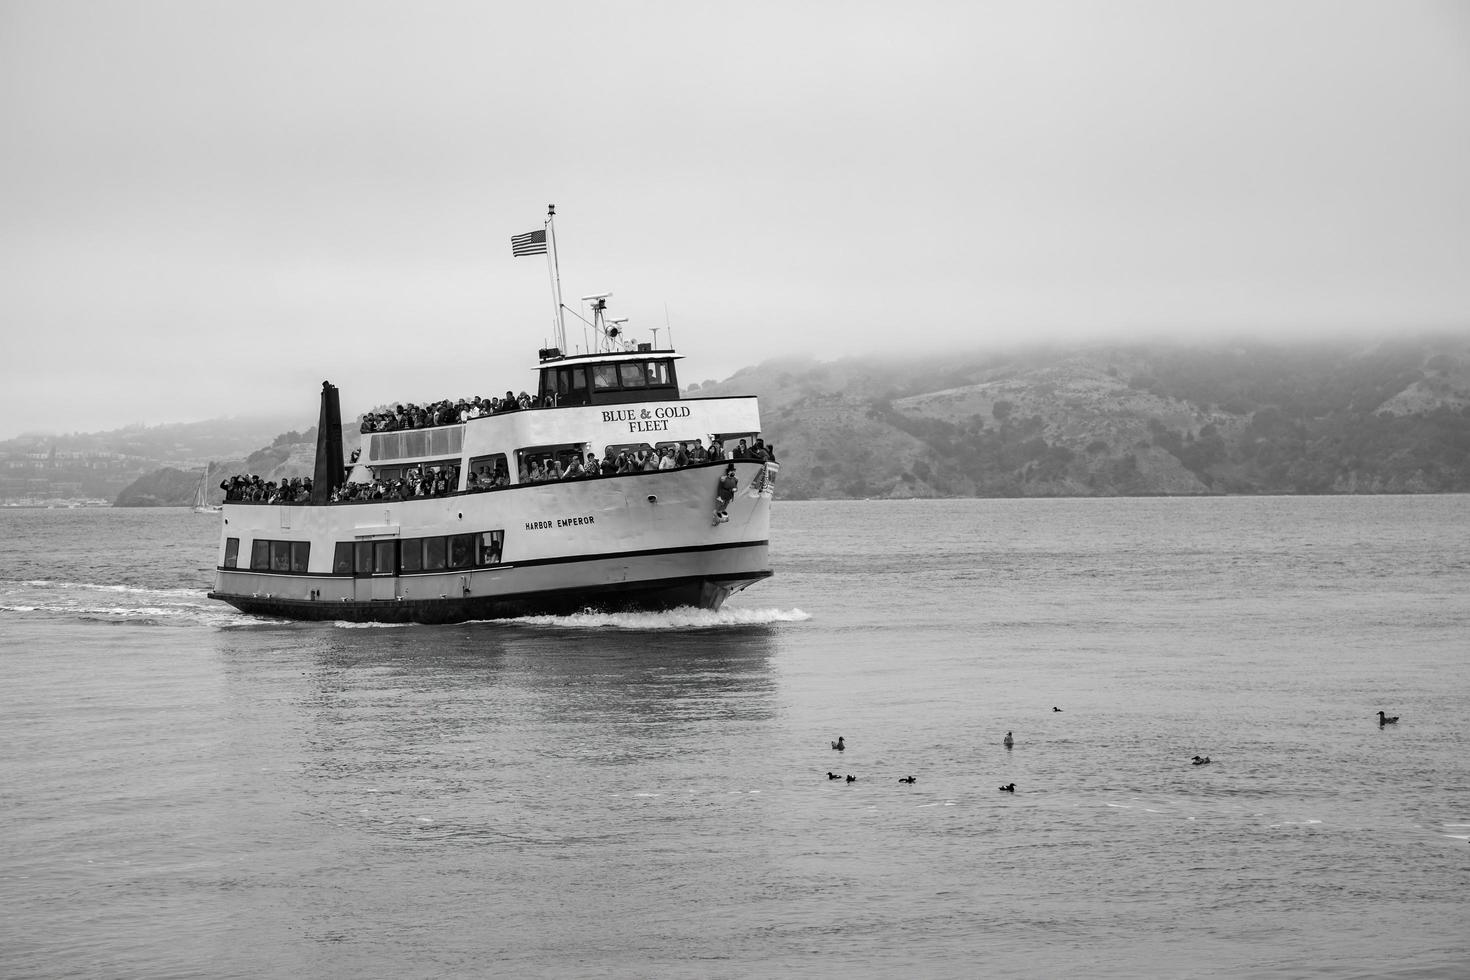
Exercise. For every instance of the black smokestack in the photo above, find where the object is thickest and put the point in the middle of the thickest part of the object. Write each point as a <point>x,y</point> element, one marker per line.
<point>329,474</point>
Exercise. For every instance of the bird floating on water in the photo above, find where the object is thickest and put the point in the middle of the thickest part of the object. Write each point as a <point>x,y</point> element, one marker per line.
<point>1008,788</point>
<point>1201,760</point>
<point>1008,741</point>
<point>1055,708</point>
<point>851,778</point>
<point>840,745</point>
<point>906,779</point>
<point>1386,720</point>
<point>832,775</point>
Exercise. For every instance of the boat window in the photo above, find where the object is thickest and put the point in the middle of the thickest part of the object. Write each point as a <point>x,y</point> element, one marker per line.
<point>628,447</point>
<point>433,554</point>
<point>633,375</point>
<point>571,386</point>
<point>568,387</point>
<point>461,551</point>
<point>232,551</point>
<point>385,557</point>
<point>486,468</point>
<point>342,558</point>
<point>491,543</point>
<point>429,468</point>
<point>545,454</point>
<point>363,564</point>
<point>411,555</point>
<point>271,556</point>
<point>446,441</point>
<point>658,373</point>
<point>604,376</point>
<point>385,445</point>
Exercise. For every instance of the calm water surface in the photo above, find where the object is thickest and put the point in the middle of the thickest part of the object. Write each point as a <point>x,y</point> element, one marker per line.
<point>192,792</point>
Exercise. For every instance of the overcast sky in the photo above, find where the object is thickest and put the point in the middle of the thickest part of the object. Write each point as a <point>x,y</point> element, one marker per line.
<point>207,208</point>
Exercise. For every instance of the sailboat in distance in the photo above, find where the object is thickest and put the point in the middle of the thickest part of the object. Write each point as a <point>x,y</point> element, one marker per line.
<point>201,494</point>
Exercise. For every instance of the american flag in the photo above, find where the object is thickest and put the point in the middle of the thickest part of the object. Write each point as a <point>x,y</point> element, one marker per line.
<point>531,243</point>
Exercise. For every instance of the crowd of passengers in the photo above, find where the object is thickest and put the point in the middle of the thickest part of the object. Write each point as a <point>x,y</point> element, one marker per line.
<point>443,412</point>
<point>296,490</point>
<point>642,460</point>
<point>438,481</point>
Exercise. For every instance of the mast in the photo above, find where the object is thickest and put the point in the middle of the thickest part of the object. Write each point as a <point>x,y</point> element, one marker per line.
<point>561,323</point>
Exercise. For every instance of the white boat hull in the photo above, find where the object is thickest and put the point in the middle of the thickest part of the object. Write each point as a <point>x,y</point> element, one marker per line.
<point>637,541</point>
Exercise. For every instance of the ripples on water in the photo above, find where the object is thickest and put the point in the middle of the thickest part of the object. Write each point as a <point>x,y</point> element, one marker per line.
<point>193,792</point>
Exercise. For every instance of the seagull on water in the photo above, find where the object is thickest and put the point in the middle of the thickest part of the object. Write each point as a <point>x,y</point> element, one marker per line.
<point>1008,741</point>
<point>840,745</point>
<point>1386,720</point>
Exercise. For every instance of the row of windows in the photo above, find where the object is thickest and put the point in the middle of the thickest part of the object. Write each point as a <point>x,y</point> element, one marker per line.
<point>270,556</point>
<point>407,443</point>
<point>631,374</point>
<point>434,554</point>
<point>377,557</point>
<point>569,383</point>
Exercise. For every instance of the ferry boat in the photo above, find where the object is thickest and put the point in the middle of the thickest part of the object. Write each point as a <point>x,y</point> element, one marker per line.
<point>629,541</point>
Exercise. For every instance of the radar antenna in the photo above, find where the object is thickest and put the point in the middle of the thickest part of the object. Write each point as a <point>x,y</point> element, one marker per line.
<point>609,331</point>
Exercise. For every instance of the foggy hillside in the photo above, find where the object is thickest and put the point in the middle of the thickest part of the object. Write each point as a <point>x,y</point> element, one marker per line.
<point>1142,419</point>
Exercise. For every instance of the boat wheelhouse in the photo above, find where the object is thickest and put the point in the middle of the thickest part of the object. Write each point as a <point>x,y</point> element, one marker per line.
<point>634,540</point>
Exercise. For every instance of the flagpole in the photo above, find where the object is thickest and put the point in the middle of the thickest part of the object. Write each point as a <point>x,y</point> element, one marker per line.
<point>561,325</point>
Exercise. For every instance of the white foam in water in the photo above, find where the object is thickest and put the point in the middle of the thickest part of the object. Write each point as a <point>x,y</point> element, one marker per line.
<point>684,617</point>
<point>182,614</point>
<point>127,589</point>
<point>116,612</point>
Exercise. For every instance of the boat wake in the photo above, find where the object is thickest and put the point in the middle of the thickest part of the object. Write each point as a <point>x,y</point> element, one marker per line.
<point>43,583</point>
<point>684,617</point>
<point>139,606</point>
<point>115,604</point>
